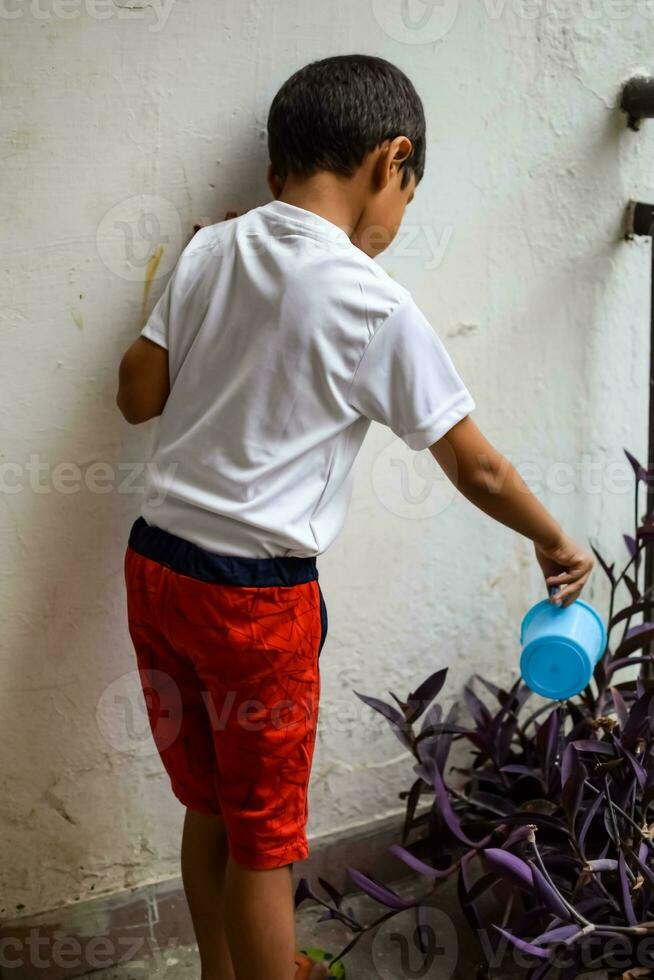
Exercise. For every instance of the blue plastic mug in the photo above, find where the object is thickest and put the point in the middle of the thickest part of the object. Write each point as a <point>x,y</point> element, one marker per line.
<point>560,648</point>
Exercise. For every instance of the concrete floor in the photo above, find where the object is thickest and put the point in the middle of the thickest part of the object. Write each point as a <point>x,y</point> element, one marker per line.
<point>385,954</point>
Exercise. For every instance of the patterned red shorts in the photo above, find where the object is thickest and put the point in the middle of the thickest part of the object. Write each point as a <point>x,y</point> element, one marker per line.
<point>227,651</point>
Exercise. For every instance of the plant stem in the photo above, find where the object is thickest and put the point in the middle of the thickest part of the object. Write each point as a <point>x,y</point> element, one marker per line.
<point>577,916</point>
<point>625,815</point>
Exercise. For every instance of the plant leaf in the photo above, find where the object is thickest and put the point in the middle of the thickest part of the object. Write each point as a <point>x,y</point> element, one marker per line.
<point>395,718</point>
<point>573,787</point>
<point>477,708</point>
<point>445,741</point>
<point>333,893</point>
<point>466,901</point>
<point>593,745</point>
<point>493,689</point>
<point>412,802</point>
<point>626,891</point>
<point>620,708</point>
<point>557,934</point>
<point>521,770</point>
<point>639,471</point>
<point>627,613</point>
<point>433,716</point>
<point>387,710</point>
<point>547,895</point>
<point>547,739</point>
<point>634,591</point>
<point>444,807</point>
<point>601,864</point>
<point>524,946</point>
<point>568,760</point>
<point>417,865</point>
<point>382,894</point>
<point>639,771</point>
<point>638,718</point>
<point>630,542</point>
<point>608,569</point>
<point>588,819</point>
<point>648,792</point>
<point>510,865</point>
<point>422,697</point>
<point>644,868</point>
<point>482,885</point>
<point>518,834</point>
<point>493,802</point>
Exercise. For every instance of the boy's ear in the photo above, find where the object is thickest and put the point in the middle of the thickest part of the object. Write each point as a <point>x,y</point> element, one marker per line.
<point>275,184</point>
<point>392,156</point>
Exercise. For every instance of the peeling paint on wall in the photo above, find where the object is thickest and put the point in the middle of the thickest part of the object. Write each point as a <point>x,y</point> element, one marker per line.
<point>150,272</point>
<point>78,319</point>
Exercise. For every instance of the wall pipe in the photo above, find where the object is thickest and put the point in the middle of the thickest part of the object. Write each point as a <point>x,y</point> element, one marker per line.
<point>637,102</point>
<point>640,221</point>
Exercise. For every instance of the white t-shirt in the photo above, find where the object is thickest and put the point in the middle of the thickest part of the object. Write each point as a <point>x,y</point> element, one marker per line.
<point>284,341</point>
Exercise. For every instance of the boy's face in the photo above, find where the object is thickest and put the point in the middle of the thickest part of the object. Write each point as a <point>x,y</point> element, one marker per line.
<point>381,219</point>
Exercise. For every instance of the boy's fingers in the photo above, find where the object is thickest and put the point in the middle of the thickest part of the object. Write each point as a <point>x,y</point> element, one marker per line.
<point>563,578</point>
<point>568,593</point>
<point>558,579</point>
<point>572,598</point>
<point>319,972</point>
<point>572,574</point>
<point>572,580</point>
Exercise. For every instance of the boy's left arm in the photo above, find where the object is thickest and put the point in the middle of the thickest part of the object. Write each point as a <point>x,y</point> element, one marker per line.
<point>143,381</point>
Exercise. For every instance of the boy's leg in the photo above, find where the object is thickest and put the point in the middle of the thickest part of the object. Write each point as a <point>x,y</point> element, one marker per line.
<point>204,865</point>
<point>263,687</point>
<point>260,922</point>
<point>183,735</point>
<point>240,916</point>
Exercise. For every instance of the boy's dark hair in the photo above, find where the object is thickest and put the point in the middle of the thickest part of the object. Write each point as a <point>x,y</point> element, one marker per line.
<point>330,113</point>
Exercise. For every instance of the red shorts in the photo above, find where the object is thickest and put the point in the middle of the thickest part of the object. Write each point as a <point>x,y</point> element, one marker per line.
<point>227,651</point>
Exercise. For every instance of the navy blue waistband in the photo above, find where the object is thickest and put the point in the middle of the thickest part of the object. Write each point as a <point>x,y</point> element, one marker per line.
<point>189,559</point>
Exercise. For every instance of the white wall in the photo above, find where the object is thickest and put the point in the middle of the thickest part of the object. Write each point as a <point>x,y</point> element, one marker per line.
<point>513,248</point>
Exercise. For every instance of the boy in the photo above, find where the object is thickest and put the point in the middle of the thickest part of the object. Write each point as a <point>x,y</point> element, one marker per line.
<point>275,342</point>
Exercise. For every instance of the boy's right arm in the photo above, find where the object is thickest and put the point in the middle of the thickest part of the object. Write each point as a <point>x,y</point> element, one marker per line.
<point>492,484</point>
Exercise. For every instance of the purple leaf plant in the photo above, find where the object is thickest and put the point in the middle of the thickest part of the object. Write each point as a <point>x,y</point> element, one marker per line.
<point>554,807</point>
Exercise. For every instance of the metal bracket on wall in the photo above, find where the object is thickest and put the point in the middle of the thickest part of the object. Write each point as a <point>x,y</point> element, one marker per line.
<point>640,219</point>
<point>638,100</point>
<point>640,223</point>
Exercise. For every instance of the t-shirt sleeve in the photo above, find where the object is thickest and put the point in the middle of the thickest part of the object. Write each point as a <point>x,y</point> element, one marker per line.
<point>156,327</point>
<point>406,380</point>
<point>179,300</point>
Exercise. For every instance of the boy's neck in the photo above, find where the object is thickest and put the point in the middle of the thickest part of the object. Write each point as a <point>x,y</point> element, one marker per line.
<point>329,195</point>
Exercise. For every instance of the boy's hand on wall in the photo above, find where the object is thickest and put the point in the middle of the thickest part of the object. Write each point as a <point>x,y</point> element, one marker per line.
<point>567,565</point>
